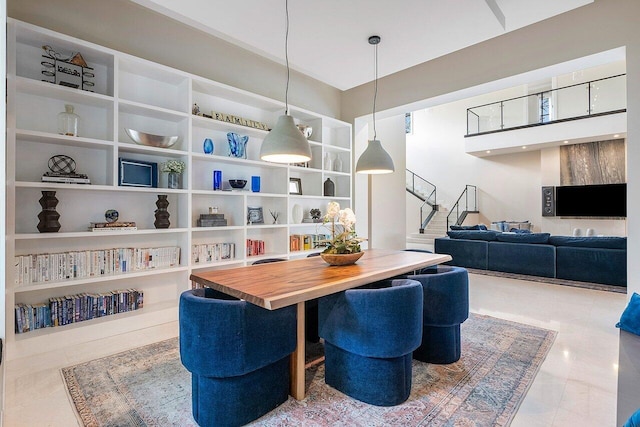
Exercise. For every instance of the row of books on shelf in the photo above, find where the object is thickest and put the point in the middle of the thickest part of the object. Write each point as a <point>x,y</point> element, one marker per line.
<point>75,308</point>
<point>211,252</point>
<point>305,242</point>
<point>255,247</point>
<point>51,267</point>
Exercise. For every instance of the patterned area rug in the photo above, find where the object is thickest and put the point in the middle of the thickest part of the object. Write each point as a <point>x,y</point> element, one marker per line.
<point>148,386</point>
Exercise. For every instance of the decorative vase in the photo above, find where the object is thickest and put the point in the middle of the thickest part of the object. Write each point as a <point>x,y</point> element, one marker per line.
<point>237,145</point>
<point>329,188</point>
<point>48,216</point>
<point>173,180</point>
<point>327,162</point>
<point>68,121</point>
<point>337,164</point>
<point>207,146</point>
<point>162,214</point>
<point>341,259</point>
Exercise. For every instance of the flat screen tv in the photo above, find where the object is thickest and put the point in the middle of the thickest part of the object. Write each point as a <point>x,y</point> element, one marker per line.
<point>606,200</point>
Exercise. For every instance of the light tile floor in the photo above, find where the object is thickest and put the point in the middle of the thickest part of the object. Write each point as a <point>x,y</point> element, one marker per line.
<point>576,385</point>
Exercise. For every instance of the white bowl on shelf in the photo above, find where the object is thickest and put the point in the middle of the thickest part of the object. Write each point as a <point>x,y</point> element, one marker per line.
<point>151,140</point>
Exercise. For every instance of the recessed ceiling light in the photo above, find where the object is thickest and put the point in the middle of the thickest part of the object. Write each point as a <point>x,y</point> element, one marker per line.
<point>616,135</point>
<point>488,151</point>
<point>524,147</point>
<point>566,142</point>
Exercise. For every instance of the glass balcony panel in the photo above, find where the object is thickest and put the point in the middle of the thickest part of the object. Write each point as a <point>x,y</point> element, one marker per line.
<point>487,118</point>
<point>608,95</point>
<point>515,112</point>
<point>571,102</point>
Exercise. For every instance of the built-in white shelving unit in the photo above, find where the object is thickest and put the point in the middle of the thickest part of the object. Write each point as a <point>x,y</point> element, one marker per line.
<point>134,93</point>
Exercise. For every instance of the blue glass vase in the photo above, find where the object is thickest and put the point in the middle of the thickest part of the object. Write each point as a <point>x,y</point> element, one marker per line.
<point>207,146</point>
<point>237,145</point>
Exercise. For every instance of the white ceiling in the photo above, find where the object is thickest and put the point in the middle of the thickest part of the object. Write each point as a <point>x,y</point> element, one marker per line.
<point>328,38</point>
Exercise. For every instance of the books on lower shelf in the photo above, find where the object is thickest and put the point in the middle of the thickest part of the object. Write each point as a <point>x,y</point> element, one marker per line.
<point>255,247</point>
<point>67,178</point>
<point>211,252</point>
<point>75,308</point>
<point>51,267</point>
<point>305,242</point>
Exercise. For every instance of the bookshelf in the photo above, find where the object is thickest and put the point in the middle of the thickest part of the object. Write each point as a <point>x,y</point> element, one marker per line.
<point>130,92</point>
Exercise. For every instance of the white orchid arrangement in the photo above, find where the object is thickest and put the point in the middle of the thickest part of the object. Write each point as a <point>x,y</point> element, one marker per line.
<point>173,166</point>
<point>343,236</point>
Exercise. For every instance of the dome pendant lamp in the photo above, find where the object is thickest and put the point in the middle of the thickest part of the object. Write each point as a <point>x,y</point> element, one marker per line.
<point>375,160</point>
<point>285,143</point>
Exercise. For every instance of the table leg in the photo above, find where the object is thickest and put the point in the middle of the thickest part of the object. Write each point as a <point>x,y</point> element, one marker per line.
<point>298,357</point>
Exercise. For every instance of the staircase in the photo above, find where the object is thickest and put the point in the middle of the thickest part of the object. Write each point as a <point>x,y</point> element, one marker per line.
<point>437,227</point>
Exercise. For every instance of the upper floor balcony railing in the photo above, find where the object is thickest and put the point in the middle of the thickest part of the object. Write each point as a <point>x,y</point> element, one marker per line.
<point>589,99</point>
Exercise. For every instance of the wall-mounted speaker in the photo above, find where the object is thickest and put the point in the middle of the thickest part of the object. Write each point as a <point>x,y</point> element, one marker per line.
<point>548,201</point>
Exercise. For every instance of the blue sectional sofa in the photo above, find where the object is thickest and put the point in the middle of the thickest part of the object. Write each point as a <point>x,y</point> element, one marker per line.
<point>586,259</point>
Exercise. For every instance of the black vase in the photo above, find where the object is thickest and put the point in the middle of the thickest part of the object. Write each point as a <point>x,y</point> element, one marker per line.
<point>329,188</point>
<point>162,215</point>
<point>48,216</point>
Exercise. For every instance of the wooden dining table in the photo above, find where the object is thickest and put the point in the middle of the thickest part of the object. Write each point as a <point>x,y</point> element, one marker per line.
<point>281,284</point>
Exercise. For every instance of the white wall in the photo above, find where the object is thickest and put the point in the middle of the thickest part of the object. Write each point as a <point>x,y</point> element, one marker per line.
<point>3,76</point>
<point>508,185</point>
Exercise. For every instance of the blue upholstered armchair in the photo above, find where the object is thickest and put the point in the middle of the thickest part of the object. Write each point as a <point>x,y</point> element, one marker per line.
<point>369,335</point>
<point>238,355</point>
<point>446,306</point>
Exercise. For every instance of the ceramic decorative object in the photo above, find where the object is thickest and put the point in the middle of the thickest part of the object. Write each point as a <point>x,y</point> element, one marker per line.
<point>337,164</point>
<point>306,130</point>
<point>237,145</point>
<point>329,188</point>
<point>173,180</point>
<point>341,259</point>
<point>151,140</point>
<point>296,214</point>
<point>162,214</point>
<point>327,162</point>
<point>68,121</point>
<point>207,146</point>
<point>111,215</point>
<point>48,216</point>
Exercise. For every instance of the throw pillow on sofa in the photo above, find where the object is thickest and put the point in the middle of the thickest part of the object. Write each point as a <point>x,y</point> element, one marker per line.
<point>468,227</point>
<point>538,238</point>
<point>630,319</point>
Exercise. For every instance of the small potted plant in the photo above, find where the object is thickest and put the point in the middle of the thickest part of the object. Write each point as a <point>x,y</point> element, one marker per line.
<point>344,246</point>
<point>174,169</point>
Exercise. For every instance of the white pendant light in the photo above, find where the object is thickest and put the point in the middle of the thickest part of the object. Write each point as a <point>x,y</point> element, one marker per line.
<point>375,160</point>
<point>285,143</point>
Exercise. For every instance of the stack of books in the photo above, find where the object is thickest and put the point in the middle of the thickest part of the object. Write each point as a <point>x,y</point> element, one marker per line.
<point>212,220</point>
<point>112,226</point>
<point>67,178</point>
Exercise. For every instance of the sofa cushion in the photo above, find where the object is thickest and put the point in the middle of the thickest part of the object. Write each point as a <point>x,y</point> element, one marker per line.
<point>595,265</point>
<point>468,227</point>
<point>487,235</point>
<point>630,319</point>
<point>534,260</point>
<point>539,238</point>
<point>589,242</point>
<point>465,253</point>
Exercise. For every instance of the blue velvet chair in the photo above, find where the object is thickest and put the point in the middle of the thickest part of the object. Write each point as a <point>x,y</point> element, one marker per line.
<point>369,334</point>
<point>446,306</point>
<point>238,355</point>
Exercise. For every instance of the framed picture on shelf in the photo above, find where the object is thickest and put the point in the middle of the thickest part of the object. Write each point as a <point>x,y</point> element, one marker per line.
<point>254,215</point>
<point>295,186</point>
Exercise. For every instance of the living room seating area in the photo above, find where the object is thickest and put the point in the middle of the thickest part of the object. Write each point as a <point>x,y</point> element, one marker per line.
<point>593,259</point>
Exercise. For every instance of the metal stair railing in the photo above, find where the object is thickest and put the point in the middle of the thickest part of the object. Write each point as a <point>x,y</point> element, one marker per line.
<point>425,191</point>
<point>459,212</point>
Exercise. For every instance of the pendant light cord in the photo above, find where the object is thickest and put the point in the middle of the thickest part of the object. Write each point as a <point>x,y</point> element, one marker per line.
<point>286,57</point>
<point>375,90</point>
